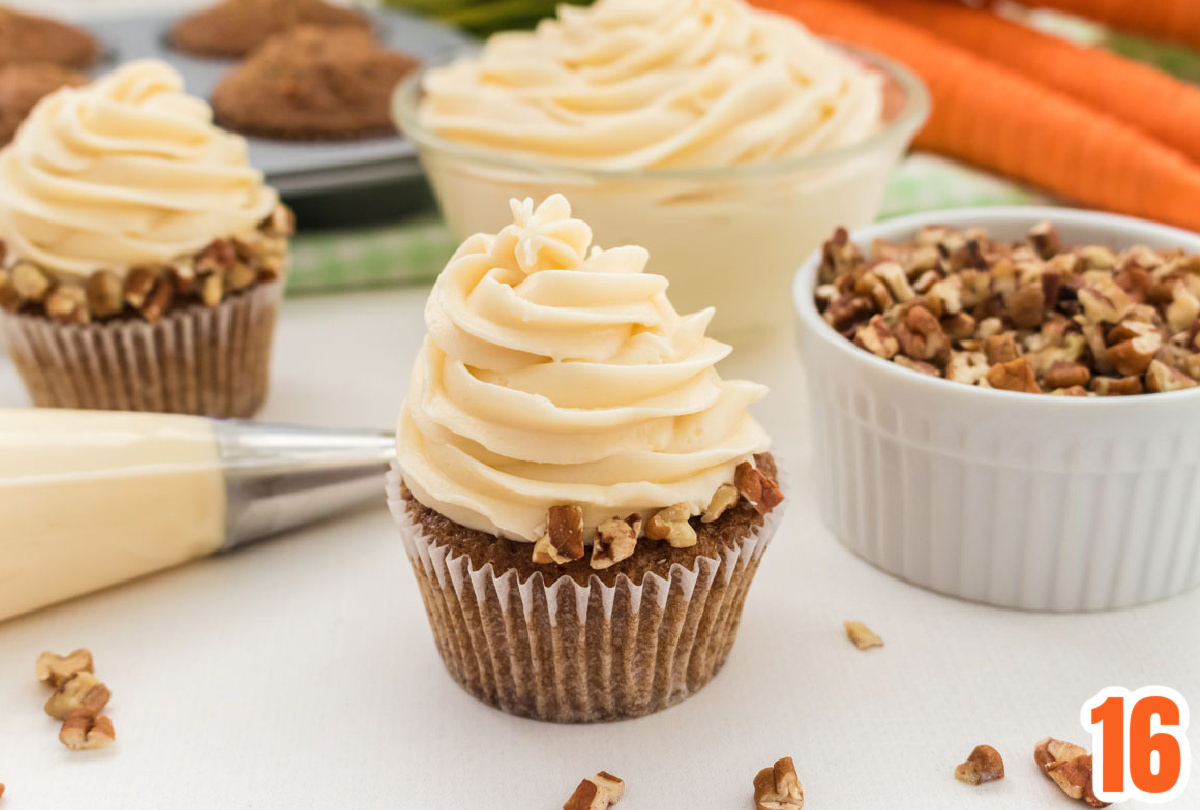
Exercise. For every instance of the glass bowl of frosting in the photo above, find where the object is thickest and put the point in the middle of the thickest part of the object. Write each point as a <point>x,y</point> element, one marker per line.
<point>726,139</point>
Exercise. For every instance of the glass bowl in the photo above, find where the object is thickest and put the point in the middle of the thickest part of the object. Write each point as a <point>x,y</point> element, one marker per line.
<point>725,236</point>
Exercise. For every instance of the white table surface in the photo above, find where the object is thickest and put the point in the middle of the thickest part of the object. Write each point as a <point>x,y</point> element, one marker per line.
<point>301,673</point>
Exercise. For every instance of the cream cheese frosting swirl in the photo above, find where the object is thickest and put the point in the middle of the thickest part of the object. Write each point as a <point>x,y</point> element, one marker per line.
<point>124,172</point>
<point>557,373</point>
<point>634,84</point>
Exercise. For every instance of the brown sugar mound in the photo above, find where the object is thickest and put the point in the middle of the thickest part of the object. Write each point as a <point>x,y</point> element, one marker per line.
<point>28,38</point>
<point>23,84</point>
<point>313,84</point>
<point>236,27</point>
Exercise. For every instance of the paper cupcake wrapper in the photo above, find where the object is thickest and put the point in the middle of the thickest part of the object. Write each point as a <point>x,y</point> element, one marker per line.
<point>210,361</point>
<point>573,653</point>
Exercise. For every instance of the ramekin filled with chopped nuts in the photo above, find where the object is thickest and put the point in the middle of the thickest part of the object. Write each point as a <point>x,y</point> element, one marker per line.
<point>1005,403</point>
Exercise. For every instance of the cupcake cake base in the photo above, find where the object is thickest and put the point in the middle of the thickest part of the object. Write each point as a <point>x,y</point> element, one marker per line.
<point>571,644</point>
<point>207,361</point>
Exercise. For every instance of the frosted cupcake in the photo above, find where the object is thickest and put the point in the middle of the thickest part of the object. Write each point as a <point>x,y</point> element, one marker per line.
<point>143,257</point>
<point>584,500</point>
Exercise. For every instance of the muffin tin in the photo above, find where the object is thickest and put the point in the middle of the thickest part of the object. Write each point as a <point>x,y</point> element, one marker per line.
<point>295,168</point>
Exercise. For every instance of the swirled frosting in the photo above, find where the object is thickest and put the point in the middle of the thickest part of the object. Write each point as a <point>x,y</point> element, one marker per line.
<point>124,172</point>
<point>557,373</point>
<point>632,84</point>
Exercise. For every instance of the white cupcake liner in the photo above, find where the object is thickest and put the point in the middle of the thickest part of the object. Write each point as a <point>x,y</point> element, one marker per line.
<point>210,361</point>
<point>572,653</point>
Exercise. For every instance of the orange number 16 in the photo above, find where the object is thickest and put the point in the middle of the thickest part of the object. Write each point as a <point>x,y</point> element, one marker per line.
<point>1139,744</point>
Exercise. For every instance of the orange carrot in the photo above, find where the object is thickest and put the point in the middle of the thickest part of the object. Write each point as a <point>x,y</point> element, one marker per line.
<point>1177,20</point>
<point>1138,94</point>
<point>989,115</point>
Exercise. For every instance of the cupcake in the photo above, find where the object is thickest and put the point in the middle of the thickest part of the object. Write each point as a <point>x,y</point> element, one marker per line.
<point>313,83</point>
<point>233,28</point>
<point>142,256</point>
<point>29,38</point>
<point>583,499</point>
<point>24,84</point>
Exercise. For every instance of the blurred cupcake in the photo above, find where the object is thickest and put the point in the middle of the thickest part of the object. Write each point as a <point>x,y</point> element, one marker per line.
<point>233,28</point>
<point>24,84</point>
<point>143,257</point>
<point>29,38</point>
<point>584,500</point>
<point>313,83</point>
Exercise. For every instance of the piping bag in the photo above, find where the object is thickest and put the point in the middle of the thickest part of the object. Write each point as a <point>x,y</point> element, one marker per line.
<point>90,499</point>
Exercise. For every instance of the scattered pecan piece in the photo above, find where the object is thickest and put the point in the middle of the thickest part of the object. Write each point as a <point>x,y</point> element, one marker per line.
<point>1063,374</point>
<point>1073,391</point>
<point>984,764</point>
<point>672,524</point>
<point>600,792</point>
<point>67,304</point>
<point>1015,375</point>
<point>616,540</point>
<point>55,670</point>
<point>778,787</point>
<point>30,283</point>
<point>920,366</point>
<point>83,730</point>
<point>1161,378</point>
<point>862,636</point>
<point>762,492</point>
<point>82,691</point>
<point>1123,387</point>
<point>726,496</point>
<point>1070,766</point>
<point>1044,239</point>
<point>563,540</point>
<point>968,368</point>
<point>1001,348</point>
<point>105,294</point>
<point>921,336</point>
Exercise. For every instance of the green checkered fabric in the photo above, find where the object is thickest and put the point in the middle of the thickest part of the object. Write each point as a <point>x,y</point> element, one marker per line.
<point>413,251</point>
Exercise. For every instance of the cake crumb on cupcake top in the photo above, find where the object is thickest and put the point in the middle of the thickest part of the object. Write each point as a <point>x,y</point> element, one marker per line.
<point>557,379</point>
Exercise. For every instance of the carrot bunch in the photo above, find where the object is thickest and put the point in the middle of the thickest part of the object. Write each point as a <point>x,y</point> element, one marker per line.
<point>1176,20</point>
<point>1082,123</point>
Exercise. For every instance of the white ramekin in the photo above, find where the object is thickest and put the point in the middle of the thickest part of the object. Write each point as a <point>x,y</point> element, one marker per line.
<point>1025,501</point>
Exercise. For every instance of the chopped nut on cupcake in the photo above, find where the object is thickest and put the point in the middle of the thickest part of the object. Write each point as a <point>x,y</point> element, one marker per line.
<point>1035,316</point>
<point>142,255</point>
<point>567,449</point>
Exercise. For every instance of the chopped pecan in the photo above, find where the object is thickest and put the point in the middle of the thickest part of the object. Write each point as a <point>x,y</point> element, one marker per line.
<point>600,792</point>
<point>724,498</point>
<point>83,730</point>
<point>563,540</point>
<point>616,540</point>
<point>967,367</point>
<point>82,691</point>
<point>105,294</point>
<point>920,366</point>
<point>1104,303</point>
<point>757,488</point>
<point>1133,346</point>
<point>984,764</point>
<point>9,300</point>
<point>1161,378</point>
<point>1027,306</point>
<point>67,304</point>
<point>838,254</point>
<point>1073,391</point>
<point>30,283</point>
<point>862,636</point>
<point>1001,348</point>
<point>673,525</point>
<point>1183,310</point>
<point>877,337</point>
<point>1070,766</point>
<point>921,336</point>
<point>139,284</point>
<point>1123,387</point>
<point>212,289</point>
<point>946,295</point>
<point>1044,239</point>
<point>55,670</point>
<point>848,310</point>
<point>1067,375</point>
<point>1015,375</point>
<point>778,787</point>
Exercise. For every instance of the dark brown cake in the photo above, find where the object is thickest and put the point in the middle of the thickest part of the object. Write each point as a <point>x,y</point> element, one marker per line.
<point>28,38</point>
<point>313,84</point>
<point>22,85</point>
<point>236,27</point>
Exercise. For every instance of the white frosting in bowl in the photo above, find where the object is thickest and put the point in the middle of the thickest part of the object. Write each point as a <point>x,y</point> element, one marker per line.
<point>631,84</point>
<point>557,373</point>
<point>124,172</point>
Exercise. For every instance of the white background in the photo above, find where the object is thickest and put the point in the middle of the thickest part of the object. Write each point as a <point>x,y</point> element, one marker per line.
<point>301,673</point>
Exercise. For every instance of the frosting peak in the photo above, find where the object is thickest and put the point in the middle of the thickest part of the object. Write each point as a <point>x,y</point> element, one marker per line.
<point>123,172</point>
<point>557,373</point>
